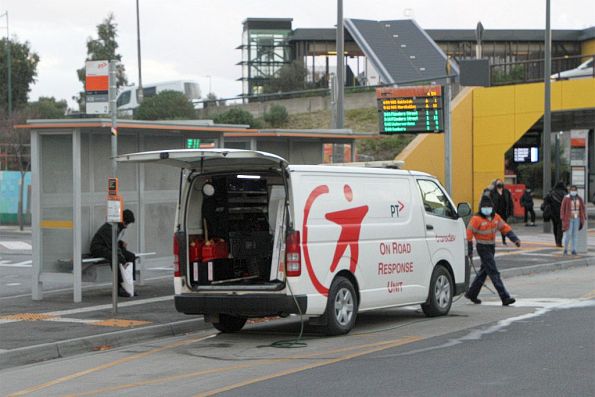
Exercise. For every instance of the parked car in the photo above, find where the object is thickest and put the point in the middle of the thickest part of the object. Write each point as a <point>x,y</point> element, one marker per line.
<point>585,69</point>
<point>256,237</point>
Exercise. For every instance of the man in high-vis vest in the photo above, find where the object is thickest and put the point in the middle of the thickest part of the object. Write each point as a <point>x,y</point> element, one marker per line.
<point>483,226</point>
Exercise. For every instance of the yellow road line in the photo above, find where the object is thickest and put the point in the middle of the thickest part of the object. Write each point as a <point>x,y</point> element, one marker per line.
<point>398,342</point>
<point>251,364</point>
<point>124,360</point>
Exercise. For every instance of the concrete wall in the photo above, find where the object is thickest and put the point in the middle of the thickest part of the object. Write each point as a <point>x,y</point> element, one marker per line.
<point>296,105</point>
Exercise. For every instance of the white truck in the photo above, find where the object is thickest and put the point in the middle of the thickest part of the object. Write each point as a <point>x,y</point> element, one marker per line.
<point>127,99</point>
<point>255,236</point>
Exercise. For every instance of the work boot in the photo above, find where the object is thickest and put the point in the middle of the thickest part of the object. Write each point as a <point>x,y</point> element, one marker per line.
<point>474,300</point>
<point>508,301</point>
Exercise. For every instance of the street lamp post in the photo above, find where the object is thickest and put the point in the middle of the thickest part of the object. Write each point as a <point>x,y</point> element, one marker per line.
<point>547,116</point>
<point>140,75</point>
<point>9,65</point>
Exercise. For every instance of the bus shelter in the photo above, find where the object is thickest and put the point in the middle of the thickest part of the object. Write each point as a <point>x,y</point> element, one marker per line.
<point>70,164</point>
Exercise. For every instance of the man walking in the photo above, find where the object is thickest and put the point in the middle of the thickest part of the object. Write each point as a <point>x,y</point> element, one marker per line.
<point>483,227</point>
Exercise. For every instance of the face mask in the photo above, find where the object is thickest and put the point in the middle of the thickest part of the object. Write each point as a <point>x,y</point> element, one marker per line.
<point>487,211</point>
<point>499,186</point>
<point>573,194</point>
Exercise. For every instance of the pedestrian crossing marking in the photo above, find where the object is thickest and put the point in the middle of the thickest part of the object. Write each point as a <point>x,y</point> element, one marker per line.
<point>16,245</point>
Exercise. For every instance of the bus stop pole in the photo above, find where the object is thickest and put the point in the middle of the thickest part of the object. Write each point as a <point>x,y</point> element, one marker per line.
<point>114,147</point>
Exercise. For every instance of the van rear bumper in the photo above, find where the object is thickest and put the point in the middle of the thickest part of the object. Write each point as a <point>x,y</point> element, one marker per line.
<point>249,305</point>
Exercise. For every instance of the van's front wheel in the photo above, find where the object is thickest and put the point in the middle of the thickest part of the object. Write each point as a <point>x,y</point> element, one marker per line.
<point>440,294</point>
<point>229,324</point>
<point>341,307</point>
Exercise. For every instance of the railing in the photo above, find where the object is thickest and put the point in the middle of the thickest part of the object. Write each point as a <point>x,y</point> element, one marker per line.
<point>533,70</point>
<point>309,93</point>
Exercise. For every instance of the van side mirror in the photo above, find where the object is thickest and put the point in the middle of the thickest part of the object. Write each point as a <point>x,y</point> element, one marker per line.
<point>463,209</point>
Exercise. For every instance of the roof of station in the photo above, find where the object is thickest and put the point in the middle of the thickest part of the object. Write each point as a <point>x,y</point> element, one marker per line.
<point>400,50</point>
<point>176,125</point>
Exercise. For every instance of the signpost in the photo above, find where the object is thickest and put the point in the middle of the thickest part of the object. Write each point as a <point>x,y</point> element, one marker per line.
<point>97,87</point>
<point>101,91</point>
<point>411,110</point>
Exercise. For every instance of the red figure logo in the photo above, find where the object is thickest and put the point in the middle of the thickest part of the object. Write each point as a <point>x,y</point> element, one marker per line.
<point>350,221</point>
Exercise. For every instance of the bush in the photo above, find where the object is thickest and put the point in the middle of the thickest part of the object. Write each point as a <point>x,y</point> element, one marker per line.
<point>167,105</point>
<point>237,116</point>
<point>385,148</point>
<point>276,116</point>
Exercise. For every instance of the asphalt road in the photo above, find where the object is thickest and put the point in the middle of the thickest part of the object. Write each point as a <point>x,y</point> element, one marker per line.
<point>542,346</point>
<point>538,356</point>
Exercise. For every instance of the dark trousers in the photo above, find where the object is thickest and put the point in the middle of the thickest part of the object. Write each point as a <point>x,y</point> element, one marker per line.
<point>488,268</point>
<point>124,256</point>
<point>557,223</point>
<point>530,211</point>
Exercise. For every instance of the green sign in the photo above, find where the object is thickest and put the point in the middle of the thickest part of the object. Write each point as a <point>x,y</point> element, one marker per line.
<point>192,143</point>
<point>410,109</point>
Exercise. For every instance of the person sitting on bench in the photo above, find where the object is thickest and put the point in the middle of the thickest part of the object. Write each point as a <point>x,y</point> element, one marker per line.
<point>101,247</point>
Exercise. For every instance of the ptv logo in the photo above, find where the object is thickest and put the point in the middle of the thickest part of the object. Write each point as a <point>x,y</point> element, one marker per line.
<point>350,220</point>
<point>396,209</point>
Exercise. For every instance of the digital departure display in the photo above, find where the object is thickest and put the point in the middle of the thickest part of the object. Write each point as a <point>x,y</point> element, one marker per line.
<point>526,154</point>
<point>410,110</point>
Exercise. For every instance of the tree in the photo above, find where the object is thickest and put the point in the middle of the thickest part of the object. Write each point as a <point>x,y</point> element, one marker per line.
<point>292,77</point>
<point>23,72</point>
<point>276,116</point>
<point>167,105</point>
<point>237,116</point>
<point>103,48</point>
<point>47,108</point>
<point>18,146</point>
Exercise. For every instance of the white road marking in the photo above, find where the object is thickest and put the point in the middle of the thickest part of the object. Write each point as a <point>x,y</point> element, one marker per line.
<point>106,307</point>
<point>16,245</point>
<point>12,284</point>
<point>19,264</point>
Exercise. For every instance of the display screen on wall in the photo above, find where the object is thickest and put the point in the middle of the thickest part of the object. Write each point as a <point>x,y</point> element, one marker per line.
<point>526,154</point>
<point>410,110</point>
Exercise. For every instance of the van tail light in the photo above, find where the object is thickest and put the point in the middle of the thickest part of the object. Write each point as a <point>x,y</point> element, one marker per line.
<point>177,272</point>
<point>293,262</point>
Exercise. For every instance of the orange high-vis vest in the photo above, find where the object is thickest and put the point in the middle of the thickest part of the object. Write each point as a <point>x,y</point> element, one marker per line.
<point>484,229</point>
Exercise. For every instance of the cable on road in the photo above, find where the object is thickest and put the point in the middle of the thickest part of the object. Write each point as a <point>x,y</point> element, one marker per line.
<point>293,343</point>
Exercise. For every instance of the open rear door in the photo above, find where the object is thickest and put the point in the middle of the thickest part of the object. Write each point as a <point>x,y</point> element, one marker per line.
<point>208,160</point>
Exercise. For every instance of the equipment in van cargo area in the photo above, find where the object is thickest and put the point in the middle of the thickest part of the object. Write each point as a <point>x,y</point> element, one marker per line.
<point>319,241</point>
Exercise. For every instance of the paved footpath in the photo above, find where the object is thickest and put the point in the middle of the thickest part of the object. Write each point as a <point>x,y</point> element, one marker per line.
<point>32,331</point>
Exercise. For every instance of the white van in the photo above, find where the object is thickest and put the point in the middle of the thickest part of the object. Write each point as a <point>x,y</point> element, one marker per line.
<point>127,100</point>
<point>257,237</point>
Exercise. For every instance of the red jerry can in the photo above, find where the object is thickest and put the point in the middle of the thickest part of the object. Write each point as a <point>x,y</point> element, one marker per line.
<point>517,192</point>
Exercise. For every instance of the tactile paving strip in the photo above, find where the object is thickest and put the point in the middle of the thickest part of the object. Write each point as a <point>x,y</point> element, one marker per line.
<point>27,317</point>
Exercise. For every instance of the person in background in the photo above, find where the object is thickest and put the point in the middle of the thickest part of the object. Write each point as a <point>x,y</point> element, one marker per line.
<point>101,247</point>
<point>551,205</point>
<point>527,204</point>
<point>502,199</point>
<point>483,227</point>
<point>573,217</point>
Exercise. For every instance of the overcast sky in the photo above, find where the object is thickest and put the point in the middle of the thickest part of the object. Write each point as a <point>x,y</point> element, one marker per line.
<point>192,39</point>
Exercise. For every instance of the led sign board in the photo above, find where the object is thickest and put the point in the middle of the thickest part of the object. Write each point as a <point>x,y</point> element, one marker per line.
<point>410,110</point>
<point>525,154</point>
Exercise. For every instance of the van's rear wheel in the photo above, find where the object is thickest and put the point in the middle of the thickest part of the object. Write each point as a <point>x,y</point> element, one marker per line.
<point>228,323</point>
<point>440,294</point>
<point>341,307</point>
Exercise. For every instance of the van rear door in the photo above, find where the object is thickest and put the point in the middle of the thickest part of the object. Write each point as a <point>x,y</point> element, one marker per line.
<point>208,160</point>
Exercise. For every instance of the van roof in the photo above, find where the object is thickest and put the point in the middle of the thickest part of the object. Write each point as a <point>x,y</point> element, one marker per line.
<point>359,170</point>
